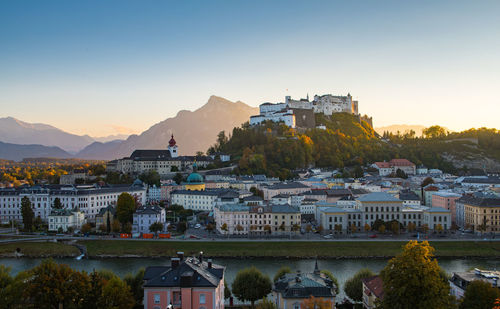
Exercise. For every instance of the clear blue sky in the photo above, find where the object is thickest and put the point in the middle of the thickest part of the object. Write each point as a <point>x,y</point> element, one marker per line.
<point>102,67</point>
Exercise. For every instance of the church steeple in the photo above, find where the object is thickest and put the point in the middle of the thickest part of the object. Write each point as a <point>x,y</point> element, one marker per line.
<point>316,268</point>
<point>172,147</point>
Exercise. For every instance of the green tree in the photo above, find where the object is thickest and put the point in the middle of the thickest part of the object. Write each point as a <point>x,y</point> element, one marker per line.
<point>150,177</point>
<point>86,228</point>
<point>479,295</point>
<point>116,294</point>
<point>135,283</point>
<point>353,287</point>
<point>266,304</point>
<point>125,207</point>
<point>12,289</point>
<point>434,132</point>
<point>27,213</point>
<point>227,290</point>
<point>156,227</point>
<point>358,172</point>
<point>427,181</point>
<point>281,272</point>
<point>178,178</point>
<point>401,174</point>
<point>251,285</point>
<point>333,278</point>
<point>182,226</point>
<point>57,203</point>
<point>413,279</point>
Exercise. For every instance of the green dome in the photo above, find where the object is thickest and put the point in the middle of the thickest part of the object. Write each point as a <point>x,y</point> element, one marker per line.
<point>194,178</point>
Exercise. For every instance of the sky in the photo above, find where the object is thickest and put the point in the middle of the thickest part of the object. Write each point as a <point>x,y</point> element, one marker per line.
<point>109,67</point>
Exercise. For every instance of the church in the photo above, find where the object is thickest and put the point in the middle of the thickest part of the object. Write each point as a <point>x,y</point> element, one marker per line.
<point>164,161</point>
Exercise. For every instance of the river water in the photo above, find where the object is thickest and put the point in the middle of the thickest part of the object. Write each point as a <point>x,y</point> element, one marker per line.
<point>343,269</point>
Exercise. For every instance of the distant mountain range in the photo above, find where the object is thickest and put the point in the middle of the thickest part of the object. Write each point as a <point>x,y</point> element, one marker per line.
<point>193,131</point>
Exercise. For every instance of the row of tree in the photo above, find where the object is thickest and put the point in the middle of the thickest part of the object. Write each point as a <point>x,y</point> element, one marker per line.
<point>51,285</point>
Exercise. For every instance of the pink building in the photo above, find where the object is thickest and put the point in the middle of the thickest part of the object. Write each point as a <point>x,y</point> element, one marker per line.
<point>446,200</point>
<point>165,190</point>
<point>189,283</point>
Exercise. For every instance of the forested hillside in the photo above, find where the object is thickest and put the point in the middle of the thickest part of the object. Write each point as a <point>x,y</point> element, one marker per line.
<point>276,150</point>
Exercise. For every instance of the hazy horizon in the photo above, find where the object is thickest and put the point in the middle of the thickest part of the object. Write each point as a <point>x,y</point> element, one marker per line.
<point>119,67</point>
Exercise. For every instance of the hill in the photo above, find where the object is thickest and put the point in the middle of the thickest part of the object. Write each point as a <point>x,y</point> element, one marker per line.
<point>18,152</point>
<point>193,131</point>
<point>276,150</point>
<point>401,128</point>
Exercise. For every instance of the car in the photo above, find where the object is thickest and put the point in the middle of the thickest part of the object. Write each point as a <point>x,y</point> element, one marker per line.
<point>194,237</point>
<point>373,236</point>
<point>329,236</point>
<point>197,226</point>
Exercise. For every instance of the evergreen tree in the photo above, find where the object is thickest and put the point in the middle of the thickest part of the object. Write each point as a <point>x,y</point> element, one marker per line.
<point>27,213</point>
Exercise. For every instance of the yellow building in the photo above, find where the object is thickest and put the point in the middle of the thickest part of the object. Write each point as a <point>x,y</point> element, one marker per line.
<point>482,214</point>
<point>194,182</point>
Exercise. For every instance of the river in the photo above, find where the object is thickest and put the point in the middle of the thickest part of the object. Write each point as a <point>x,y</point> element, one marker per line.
<point>343,269</point>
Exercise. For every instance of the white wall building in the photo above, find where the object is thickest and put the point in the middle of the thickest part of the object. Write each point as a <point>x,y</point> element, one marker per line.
<point>64,219</point>
<point>146,215</point>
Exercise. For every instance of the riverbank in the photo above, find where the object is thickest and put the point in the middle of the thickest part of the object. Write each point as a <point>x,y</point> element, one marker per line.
<point>242,249</point>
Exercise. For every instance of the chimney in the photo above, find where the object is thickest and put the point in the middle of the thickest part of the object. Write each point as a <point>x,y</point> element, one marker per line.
<point>200,257</point>
<point>209,263</point>
<point>175,262</point>
<point>180,255</point>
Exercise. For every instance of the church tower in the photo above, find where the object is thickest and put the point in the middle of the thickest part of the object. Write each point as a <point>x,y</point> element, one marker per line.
<point>172,147</point>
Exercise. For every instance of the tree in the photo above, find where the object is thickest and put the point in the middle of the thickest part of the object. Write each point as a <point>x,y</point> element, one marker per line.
<point>178,178</point>
<point>316,303</point>
<point>333,278</point>
<point>102,228</point>
<point>353,228</point>
<point>425,228</point>
<point>127,228</point>
<point>210,227</point>
<point>135,284</point>
<point>478,295</point>
<point>116,294</point>
<point>427,181</point>
<point>411,227</point>
<point>395,227</point>
<point>295,227</point>
<point>125,207</point>
<point>308,228</point>
<point>151,178</point>
<point>367,227</point>
<point>227,290</point>
<point>282,271</point>
<point>320,229</point>
<point>27,213</point>
<point>57,203</point>
<point>115,226</point>
<point>381,229</point>
<point>353,287</point>
<point>224,227</point>
<point>251,285</point>
<point>12,289</point>
<point>401,174</point>
<point>439,228</point>
<point>239,228</point>
<point>182,226</point>
<point>267,228</point>
<point>156,227</point>
<point>413,279</point>
<point>86,228</point>
<point>434,132</point>
<point>338,228</point>
<point>358,172</point>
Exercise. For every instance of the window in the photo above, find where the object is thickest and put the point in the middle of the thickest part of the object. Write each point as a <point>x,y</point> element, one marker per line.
<point>157,298</point>
<point>202,298</point>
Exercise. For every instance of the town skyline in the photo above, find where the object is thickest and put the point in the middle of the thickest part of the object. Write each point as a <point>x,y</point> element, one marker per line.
<point>72,66</point>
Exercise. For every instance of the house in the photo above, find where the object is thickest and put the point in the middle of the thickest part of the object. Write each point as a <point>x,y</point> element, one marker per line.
<point>387,168</point>
<point>187,283</point>
<point>292,289</point>
<point>146,215</point>
<point>292,188</point>
<point>65,218</point>
<point>480,213</point>
<point>459,281</point>
<point>446,200</point>
<point>105,216</point>
<point>437,216</point>
<point>373,290</point>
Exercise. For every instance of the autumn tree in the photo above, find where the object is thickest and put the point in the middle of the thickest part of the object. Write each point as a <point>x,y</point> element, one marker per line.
<point>316,303</point>
<point>478,295</point>
<point>251,285</point>
<point>156,227</point>
<point>27,213</point>
<point>413,279</point>
<point>353,287</point>
<point>135,283</point>
<point>434,132</point>
<point>367,227</point>
<point>330,276</point>
<point>281,272</point>
<point>266,304</point>
<point>381,229</point>
<point>125,207</point>
<point>427,181</point>
<point>116,294</point>
<point>86,228</point>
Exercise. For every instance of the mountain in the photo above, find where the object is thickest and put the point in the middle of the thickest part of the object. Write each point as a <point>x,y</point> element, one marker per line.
<point>19,132</point>
<point>193,131</point>
<point>110,138</point>
<point>18,152</point>
<point>402,128</point>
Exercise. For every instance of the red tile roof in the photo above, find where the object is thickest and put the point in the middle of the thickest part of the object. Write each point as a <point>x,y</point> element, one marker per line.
<point>400,162</point>
<point>383,164</point>
<point>375,285</point>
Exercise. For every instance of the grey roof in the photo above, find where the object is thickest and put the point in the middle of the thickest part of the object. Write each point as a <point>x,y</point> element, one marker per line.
<point>210,192</point>
<point>378,197</point>
<point>72,190</point>
<point>233,207</point>
<point>281,195</point>
<point>437,209</point>
<point>304,285</point>
<point>408,196</point>
<point>190,273</point>
<point>480,201</point>
<point>149,154</point>
<point>60,212</point>
<point>148,210</point>
<point>338,192</point>
<point>253,198</point>
<point>286,208</point>
<point>483,180</point>
<point>288,185</point>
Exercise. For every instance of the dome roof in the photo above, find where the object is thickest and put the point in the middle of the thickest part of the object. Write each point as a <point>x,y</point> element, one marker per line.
<point>194,178</point>
<point>171,143</point>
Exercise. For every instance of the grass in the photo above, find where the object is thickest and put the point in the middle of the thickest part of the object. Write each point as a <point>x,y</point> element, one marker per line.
<point>39,249</point>
<point>282,249</point>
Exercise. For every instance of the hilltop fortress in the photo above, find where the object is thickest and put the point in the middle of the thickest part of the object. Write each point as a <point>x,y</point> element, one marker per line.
<point>300,113</point>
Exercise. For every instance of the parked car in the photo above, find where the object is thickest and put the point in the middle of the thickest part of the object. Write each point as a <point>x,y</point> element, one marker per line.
<point>197,226</point>
<point>373,236</point>
<point>329,236</point>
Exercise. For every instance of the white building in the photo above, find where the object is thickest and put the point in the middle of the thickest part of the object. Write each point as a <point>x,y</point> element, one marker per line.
<point>154,194</point>
<point>64,219</point>
<point>89,199</point>
<point>146,215</point>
